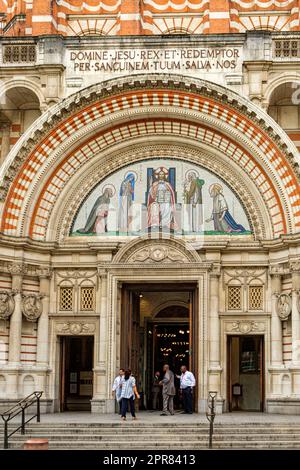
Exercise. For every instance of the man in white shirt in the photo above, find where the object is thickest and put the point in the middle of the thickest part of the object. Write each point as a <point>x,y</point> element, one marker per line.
<point>117,389</point>
<point>187,383</point>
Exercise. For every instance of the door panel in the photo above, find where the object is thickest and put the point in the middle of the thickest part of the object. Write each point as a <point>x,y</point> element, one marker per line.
<point>245,369</point>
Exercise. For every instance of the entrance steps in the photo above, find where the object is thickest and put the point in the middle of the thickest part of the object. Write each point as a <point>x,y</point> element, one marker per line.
<point>160,436</point>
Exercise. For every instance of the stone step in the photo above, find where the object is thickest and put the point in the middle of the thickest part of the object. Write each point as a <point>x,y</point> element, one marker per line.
<point>158,435</point>
<point>164,445</point>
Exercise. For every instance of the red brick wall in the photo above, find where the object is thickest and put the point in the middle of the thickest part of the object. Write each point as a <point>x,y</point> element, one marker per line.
<point>136,17</point>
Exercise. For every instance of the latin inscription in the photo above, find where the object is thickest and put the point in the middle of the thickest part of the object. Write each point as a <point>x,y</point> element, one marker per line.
<point>156,60</point>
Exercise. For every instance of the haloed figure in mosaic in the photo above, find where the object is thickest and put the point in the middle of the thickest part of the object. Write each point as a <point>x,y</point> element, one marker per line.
<point>221,217</point>
<point>126,198</point>
<point>193,200</point>
<point>97,220</point>
<point>161,202</point>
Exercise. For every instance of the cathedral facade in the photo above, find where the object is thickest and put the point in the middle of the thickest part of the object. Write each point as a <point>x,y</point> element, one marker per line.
<point>150,200</point>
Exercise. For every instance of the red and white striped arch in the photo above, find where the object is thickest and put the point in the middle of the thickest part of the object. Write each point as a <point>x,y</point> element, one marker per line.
<point>129,114</point>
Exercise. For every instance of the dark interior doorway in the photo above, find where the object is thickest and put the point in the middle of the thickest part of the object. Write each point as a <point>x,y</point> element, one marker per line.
<point>246,373</point>
<point>77,354</point>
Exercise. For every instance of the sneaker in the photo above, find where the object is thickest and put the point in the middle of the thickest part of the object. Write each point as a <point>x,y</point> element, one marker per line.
<point>163,414</point>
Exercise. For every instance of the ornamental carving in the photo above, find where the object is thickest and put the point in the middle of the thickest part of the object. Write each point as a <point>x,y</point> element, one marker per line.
<point>17,268</point>
<point>295,266</point>
<point>158,254</point>
<point>284,306</point>
<point>32,306</point>
<point>7,304</point>
<point>44,271</point>
<point>245,326</point>
<point>75,328</point>
<point>278,270</point>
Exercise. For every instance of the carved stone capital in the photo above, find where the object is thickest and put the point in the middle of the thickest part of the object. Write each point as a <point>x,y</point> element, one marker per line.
<point>101,271</point>
<point>44,272</point>
<point>75,328</point>
<point>215,270</point>
<point>295,266</point>
<point>278,270</point>
<point>32,306</point>
<point>7,304</point>
<point>283,306</point>
<point>17,269</point>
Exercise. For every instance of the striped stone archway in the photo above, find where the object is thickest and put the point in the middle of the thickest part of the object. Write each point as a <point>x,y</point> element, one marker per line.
<point>100,129</point>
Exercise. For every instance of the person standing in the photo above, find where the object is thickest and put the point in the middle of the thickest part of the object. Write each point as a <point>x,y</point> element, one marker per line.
<point>116,388</point>
<point>128,394</point>
<point>156,389</point>
<point>187,383</point>
<point>168,391</point>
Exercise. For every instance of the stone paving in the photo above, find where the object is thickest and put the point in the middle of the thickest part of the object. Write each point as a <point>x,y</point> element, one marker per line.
<point>154,417</point>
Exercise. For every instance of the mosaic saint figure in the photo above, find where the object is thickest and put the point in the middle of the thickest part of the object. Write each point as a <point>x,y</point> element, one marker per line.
<point>161,202</point>
<point>221,217</point>
<point>193,200</point>
<point>126,198</point>
<point>97,219</point>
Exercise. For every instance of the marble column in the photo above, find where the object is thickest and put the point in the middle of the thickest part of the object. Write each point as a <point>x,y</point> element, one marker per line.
<point>276,323</point>
<point>295,268</point>
<point>15,330</point>
<point>43,322</point>
<point>100,401</point>
<point>214,350</point>
<point>214,383</point>
<point>15,327</point>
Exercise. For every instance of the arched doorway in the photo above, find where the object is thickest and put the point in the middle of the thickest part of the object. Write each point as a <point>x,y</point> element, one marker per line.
<point>159,325</point>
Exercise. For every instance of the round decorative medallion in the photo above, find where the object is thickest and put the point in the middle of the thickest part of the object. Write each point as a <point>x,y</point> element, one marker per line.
<point>284,306</point>
<point>245,327</point>
<point>75,328</point>
<point>32,307</point>
<point>7,304</point>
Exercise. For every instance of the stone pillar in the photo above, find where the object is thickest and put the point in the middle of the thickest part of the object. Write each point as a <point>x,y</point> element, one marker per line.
<point>214,382</point>
<point>15,330</point>
<point>276,324</point>
<point>43,322</point>
<point>295,268</point>
<point>101,402</point>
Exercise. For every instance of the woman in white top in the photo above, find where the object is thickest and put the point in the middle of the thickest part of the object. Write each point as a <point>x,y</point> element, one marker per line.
<point>128,394</point>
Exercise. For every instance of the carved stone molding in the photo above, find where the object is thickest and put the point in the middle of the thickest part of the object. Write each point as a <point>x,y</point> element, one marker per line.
<point>157,251</point>
<point>7,304</point>
<point>283,306</point>
<point>245,326</point>
<point>158,254</point>
<point>75,328</point>
<point>32,306</point>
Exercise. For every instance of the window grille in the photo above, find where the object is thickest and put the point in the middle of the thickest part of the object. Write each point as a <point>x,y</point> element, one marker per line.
<point>66,298</point>
<point>287,48</point>
<point>18,54</point>
<point>87,298</point>
<point>234,298</point>
<point>256,297</point>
